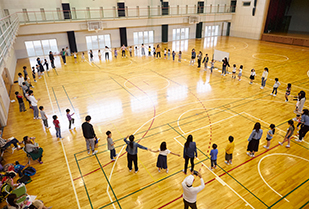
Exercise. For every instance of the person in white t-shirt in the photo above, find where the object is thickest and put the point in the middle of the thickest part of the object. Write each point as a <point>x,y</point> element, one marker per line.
<point>34,104</point>
<point>190,192</point>
<point>162,157</point>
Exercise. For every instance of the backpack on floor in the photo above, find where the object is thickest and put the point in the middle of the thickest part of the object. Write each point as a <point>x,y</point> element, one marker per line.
<point>25,179</point>
<point>30,171</point>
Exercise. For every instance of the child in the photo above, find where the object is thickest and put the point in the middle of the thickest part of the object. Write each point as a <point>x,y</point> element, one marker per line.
<point>240,73</point>
<point>264,77</point>
<point>25,71</point>
<point>57,126</point>
<point>75,57</point>
<point>275,87</point>
<point>165,53</point>
<point>44,117</point>
<point>173,55</point>
<point>213,156</point>
<point>229,151</point>
<point>298,120</point>
<point>99,54</point>
<point>270,135</point>
<point>234,71</point>
<point>83,56</point>
<point>289,134</point>
<point>199,59</point>
<point>149,51</point>
<point>288,92</point>
<point>20,102</point>
<point>212,65</point>
<point>193,55</point>
<point>69,116</point>
<point>168,54</point>
<point>252,75</point>
<point>27,84</point>
<point>20,79</point>
<point>115,52</point>
<point>46,64</point>
<point>130,51</point>
<point>110,145</point>
<point>91,55</point>
<point>33,74</point>
<point>27,98</point>
<point>162,157</point>
<point>179,56</point>
<point>154,51</point>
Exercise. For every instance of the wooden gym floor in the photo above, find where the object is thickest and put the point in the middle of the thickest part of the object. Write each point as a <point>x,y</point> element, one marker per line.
<point>161,100</point>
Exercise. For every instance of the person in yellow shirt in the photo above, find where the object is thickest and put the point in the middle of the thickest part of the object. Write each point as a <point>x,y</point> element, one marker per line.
<point>229,151</point>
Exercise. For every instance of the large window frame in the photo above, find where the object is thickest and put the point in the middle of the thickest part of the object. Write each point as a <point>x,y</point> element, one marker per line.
<point>41,47</point>
<point>212,30</point>
<point>181,33</point>
<point>143,37</point>
<point>98,41</point>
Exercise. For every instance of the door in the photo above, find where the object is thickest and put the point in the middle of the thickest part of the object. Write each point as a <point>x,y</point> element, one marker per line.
<point>121,9</point>
<point>228,29</point>
<point>165,8</point>
<point>200,7</point>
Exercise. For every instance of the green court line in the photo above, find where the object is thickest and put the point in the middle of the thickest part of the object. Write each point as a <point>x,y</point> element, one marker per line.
<point>56,101</point>
<point>108,181</point>
<point>123,87</point>
<point>80,172</point>
<point>288,194</point>
<point>68,97</point>
<point>55,70</point>
<point>47,73</point>
<point>304,205</point>
<point>145,187</point>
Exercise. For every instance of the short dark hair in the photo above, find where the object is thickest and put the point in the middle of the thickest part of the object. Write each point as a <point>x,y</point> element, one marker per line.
<point>16,92</point>
<point>67,110</point>
<point>231,138</point>
<point>24,83</point>
<point>30,92</point>
<point>276,79</point>
<point>108,133</point>
<point>19,74</point>
<point>55,117</point>
<point>88,118</point>
<point>24,67</point>
<point>41,107</point>
<point>214,146</point>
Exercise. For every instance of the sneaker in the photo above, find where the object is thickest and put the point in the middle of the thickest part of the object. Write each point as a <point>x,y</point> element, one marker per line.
<point>130,170</point>
<point>230,163</point>
<point>98,139</point>
<point>167,170</point>
<point>116,155</point>
<point>271,93</point>
<point>239,79</point>
<point>226,162</point>
<point>248,153</point>
<point>183,170</point>
<point>34,118</point>
<point>136,171</point>
<point>95,152</point>
<point>275,95</point>
<point>159,170</point>
<point>266,147</point>
<point>113,159</point>
<point>88,152</point>
<point>280,143</point>
<point>210,168</point>
<point>13,149</point>
<point>261,87</point>
<point>287,146</point>
<point>252,155</point>
<point>41,162</point>
<point>286,100</point>
<point>297,140</point>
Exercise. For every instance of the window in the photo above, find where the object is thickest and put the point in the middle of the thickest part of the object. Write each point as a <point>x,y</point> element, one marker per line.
<point>6,12</point>
<point>43,14</point>
<point>212,30</point>
<point>246,3</point>
<point>25,14</point>
<point>98,42</point>
<point>200,7</point>
<point>41,47</point>
<point>143,37</point>
<point>233,5</point>
<point>180,33</point>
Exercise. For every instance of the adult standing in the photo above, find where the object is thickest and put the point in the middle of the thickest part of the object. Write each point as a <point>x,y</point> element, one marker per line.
<point>199,59</point>
<point>107,50</point>
<point>34,104</point>
<point>190,192</point>
<point>132,152</point>
<point>264,78</point>
<point>189,152</point>
<point>158,51</point>
<point>225,64</point>
<point>63,54</point>
<point>193,55</point>
<point>304,125</point>
<point>89,135</point>
<point>301,98</point>
<point>143,50</point>
<point>51,58</point>
<point>123,51</point>
<point>205,61</point>
<point>254,139</point>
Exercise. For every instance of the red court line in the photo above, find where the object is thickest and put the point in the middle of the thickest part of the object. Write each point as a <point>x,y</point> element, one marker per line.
<point>222,174</point>
<point>264,184</point>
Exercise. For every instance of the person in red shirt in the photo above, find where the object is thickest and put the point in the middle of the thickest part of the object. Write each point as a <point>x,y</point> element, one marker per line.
<point>20,101</point>
<point>57,126</point>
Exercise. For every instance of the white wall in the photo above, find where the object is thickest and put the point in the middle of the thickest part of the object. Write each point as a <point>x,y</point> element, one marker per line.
<point>300,20</point>
<point>247,26</point>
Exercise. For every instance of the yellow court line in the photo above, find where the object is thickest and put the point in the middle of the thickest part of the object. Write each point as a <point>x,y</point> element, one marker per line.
<point>149,173</point>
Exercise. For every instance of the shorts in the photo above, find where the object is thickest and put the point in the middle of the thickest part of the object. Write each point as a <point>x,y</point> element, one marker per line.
<point>228,157</point>
<point>267,139</point>
<point>252,77</point>
<point>287,93</point>
<point>234,72</point>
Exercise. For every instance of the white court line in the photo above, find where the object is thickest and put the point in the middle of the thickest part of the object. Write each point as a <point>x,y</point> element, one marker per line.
<point>220,180</point>
<point>64,153</point>
<point>272,155</point>
<point>168,82</point>
<point>198,109</point>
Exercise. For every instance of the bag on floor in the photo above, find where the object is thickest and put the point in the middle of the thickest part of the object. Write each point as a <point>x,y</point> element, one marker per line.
<point>30,171</point>
<point>25,179</point>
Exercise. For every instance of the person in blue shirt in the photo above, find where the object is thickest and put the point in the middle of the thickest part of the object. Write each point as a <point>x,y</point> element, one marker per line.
<point>213,156</point>
<point>254,139</point>
<point>132,152</point>
<point>189,152</point>
<point>304,125</point>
